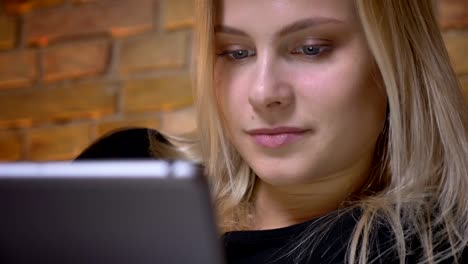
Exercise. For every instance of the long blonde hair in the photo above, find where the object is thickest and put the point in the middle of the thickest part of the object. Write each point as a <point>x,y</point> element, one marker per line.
<point>424,152</point>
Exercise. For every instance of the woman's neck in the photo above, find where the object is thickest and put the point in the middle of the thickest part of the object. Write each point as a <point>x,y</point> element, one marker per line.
<point>281,206</point>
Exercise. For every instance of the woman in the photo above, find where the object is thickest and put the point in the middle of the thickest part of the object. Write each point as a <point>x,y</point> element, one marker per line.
<point>332,131</point>
<point>324,110</point>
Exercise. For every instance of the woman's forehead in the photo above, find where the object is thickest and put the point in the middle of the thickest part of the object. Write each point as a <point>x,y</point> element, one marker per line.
<point>275,13</point>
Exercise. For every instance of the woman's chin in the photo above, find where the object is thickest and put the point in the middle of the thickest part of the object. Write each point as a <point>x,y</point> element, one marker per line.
<point>282,175</point>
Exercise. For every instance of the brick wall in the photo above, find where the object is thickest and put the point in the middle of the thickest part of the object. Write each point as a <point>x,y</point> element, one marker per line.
<point>454,23</point>
<point>72,70</point>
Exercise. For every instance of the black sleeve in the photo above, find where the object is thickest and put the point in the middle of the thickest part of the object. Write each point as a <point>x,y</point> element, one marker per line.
<point>125,144</point>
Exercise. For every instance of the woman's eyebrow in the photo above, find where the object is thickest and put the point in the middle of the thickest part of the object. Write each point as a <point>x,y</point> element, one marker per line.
<point>306,23</point>
<point>288,29</point>
<point>229,30</point>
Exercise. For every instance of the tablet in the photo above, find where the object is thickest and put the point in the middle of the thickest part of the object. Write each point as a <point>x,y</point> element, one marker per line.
<point>106,212</point>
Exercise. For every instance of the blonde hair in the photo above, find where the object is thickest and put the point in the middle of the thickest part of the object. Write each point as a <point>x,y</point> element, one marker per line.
<point>424,152</point>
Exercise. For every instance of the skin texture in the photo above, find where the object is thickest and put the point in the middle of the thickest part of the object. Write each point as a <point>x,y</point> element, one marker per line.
<point>318,76</point>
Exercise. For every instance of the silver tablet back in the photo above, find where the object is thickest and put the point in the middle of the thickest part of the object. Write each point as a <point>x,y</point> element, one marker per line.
<point>106,212</point>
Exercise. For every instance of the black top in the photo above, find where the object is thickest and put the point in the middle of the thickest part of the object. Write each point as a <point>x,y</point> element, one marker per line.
<point>273,246</point>
<point>277,245</point>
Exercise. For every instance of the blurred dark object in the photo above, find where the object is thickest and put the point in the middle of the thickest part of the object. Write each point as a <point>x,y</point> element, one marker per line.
<point>123,144</point>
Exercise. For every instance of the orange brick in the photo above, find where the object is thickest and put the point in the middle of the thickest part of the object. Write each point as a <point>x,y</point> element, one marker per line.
<point>453,13</point>
<point>116,17</point>
<point>76,60</point>
<point>178,14</point>
<point>464,84</point>
<point>81,101</point>
<point>17,68</point>
<point>457,46</point>
<point>154,52</point>
<point>122,123</point>
<point>10,145</point>
<point>179,121</point>
<point>82,1</point>
<point>58,142</point>
<point>27,6</point>
<point>166,93</point>
<point>8,25</point>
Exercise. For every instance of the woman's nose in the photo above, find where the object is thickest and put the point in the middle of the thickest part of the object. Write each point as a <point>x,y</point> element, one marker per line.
<point>270,90</point>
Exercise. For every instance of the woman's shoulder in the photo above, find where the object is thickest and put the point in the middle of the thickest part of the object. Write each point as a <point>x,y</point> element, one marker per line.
<point>326,239</point>
<point>133,143</point>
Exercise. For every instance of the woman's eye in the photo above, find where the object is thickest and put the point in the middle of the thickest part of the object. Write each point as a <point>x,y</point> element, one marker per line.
<point>237,54</point>
<point>310,50</point>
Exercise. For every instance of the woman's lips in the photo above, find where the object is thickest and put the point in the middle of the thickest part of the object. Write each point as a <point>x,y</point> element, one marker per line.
<point>278,137</point>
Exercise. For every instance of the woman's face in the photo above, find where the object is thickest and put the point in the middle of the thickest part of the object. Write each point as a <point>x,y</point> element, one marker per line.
<point>297,88</point>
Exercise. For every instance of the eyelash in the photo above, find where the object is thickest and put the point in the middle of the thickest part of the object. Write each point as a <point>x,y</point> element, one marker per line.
<point>298,51</point>
<point>230,54</point>
<point>321,49</point>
